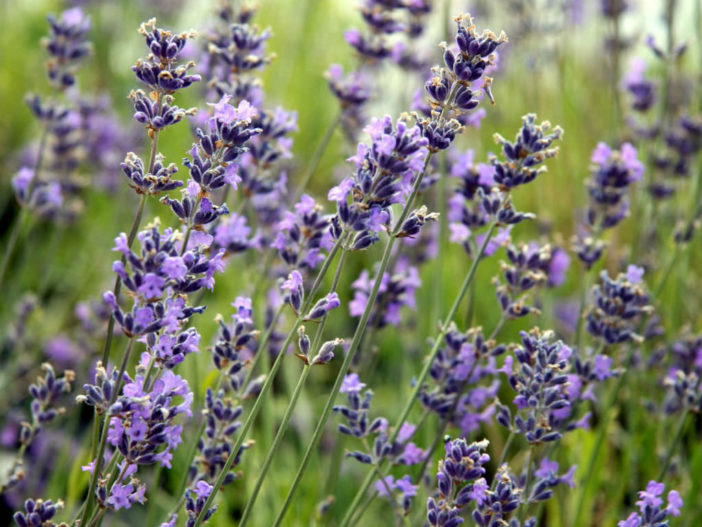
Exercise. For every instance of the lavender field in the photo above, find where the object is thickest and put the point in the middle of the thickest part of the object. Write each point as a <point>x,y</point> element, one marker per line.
<point>385,262</point>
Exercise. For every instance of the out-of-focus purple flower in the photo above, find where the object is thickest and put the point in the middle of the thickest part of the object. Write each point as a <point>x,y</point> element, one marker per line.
<point>397,290</point>
<point>618,307</point>
<point>560,261</point>
<point>62,350</point>
<point>351,384</point>
<point>651,510</point>
<point>634,274</point>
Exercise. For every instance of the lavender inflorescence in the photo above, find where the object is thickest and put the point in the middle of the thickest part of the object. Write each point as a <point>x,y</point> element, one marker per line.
<point>242,145</point>
<point>384,172</point>
<point>461,364</point>
<point>619,305</point>
<point>651,511</point>
<point>38,513</point>
<point>164,75</point>
<point>531,147</point>
<point>358,424</point>
<point>459,482</point>
<point>540,380</point>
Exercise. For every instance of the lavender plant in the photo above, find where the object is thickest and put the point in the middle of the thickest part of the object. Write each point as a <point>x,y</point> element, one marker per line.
<point>337,306</point>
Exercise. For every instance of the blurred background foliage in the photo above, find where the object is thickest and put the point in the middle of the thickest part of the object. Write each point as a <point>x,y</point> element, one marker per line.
<point>559,72</point>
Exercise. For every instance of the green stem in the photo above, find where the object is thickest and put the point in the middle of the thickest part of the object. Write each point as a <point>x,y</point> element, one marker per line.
<point>103,437</point>
<point>673,445</point>
<point>118,281</point>
<point>261,348</point>
<point>527,484</point>
<point>599,440</point>
<point>429,361</point>
<point>317,157</point>
<point>360,327</point>
<point>97,518</point>
<point>505,451</point>
<point>24,211</point>
<point>282,428</point>
<point>253,413</point>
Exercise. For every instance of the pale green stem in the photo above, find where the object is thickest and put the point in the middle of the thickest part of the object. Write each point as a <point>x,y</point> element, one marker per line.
<point>527,485</point>
<point>673,444</point>
<point>599,440</point>
<point>317,157</point>
<point>103,438</point>
<point>430,359</point>
<point>253,413</point>
<point>282,428</point>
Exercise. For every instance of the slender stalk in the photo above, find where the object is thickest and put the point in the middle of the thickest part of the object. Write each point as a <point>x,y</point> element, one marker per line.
<point>201,428</point>
<point>261,348</point>
<point>24,211</point>
<point>103,437</point>
<point>360,327</point>
<point>525,504</point>
<point>98,517</point>
<point>430,359</point>
<point>317,157</point>
<point>445,422</point>
<point>282,428</point>
<point>682,420</point>
<point>253,413</point>
<point>118,281</point>
<point>599,440</point>
<point>505,450</point>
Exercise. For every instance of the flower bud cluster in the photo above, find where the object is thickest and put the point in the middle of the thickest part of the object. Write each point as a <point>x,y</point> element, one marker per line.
<point>358,424</point>
<point>652,513</point>
<point>162,72</point>
<point>523,272</point>
<point>302,235</point>
<point>619,305</point>
<point>385,171</point>
<point>324,354</point>
<point>450,90</point>
<point>459,482</point>
<point>531,147</point>
<point>38,513</point>
<point>396,291</point>
<point>540,380</point>
<point>460,365</point>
